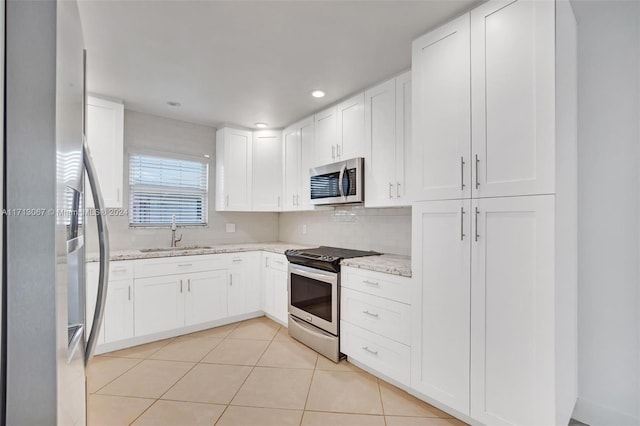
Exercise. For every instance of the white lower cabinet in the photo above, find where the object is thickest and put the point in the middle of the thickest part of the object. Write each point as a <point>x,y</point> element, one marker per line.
<point>117,321</point>
<point>375,326</point>
<point>513,297</point>
<point>118,313</point>
<point>442,300</point>
<point>275,276</point>
<point>205,296</point>
<point>244,290</point>
<point>484,332</point>
<point>384,355</point>
<point>159,304</point>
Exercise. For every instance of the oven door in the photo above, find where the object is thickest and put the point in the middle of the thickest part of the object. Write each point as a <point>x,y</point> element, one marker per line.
<point>313,296</point>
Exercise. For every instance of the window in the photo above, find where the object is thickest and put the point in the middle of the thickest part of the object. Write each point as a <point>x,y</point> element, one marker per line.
<point>161,187</point>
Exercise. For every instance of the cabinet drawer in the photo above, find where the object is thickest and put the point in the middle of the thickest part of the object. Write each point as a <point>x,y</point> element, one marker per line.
<point>381,316</point>
<point>122,270</point>
<point>277,261</point>
<point>118,270</point>
<point>390,358</point>
<point>377,284</point>
<point>179,265</point>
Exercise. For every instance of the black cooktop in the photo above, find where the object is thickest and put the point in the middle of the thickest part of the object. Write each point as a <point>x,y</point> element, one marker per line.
<point>325,258</point>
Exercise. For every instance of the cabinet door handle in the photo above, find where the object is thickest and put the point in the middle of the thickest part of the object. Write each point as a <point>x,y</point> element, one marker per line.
<point>370,314</point>
<point>477,214</point>
<point>266,262</point>
<point>477,173</point>
<point>231,279</point>
<point>371,283</point>
<point>189,285</point>
<point>278,201</point>
<point>337,150</point>
<point>397,189</point>
<point>129,296</point>
<point>118,194</point>
<point>462,174</point>
<point>333,152</point>
<point>462,235</point>
<point>390,189</point>
<point>180,286</point>
<point>366,348</point>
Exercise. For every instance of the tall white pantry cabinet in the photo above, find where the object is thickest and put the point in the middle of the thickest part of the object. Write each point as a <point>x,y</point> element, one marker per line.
<point>494,184</point>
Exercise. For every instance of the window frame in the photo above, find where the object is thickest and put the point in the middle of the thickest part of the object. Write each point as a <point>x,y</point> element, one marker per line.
<point>203,159</point>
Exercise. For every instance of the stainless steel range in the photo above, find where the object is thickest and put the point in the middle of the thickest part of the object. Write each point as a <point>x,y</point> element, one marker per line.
<point>314,296</point>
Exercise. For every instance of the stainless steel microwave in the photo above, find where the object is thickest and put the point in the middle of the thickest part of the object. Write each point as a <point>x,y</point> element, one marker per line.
<point>338,183</point>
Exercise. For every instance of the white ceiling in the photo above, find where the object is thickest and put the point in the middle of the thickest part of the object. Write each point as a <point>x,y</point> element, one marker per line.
<point>244,62</point>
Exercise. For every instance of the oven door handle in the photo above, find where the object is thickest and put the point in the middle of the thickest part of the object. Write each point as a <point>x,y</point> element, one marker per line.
<point>329,278</point>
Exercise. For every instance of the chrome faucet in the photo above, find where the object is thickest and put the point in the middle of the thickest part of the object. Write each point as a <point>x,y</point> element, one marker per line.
<point>174,227</point>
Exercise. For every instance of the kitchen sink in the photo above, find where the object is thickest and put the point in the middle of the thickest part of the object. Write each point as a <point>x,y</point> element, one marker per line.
<point>159,249</point>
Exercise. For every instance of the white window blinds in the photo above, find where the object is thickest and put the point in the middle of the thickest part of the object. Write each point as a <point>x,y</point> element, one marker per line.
<point>161,187</point>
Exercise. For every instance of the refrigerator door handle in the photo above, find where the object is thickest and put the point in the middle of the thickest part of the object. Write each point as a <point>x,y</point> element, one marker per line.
<point>103,241</point>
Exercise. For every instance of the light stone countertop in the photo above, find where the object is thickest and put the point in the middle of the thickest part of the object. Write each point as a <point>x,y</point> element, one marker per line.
<point>387,263</point>
<point>274,247</point>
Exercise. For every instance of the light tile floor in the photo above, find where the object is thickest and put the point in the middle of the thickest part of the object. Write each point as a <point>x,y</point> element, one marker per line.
<point>250,373</point>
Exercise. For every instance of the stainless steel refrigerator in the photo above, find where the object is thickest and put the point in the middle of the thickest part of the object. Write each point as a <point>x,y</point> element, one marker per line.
<point>44,347</point>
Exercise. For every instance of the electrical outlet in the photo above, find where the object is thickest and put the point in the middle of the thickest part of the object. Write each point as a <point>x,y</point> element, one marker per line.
<point>304,229</point>
<point>231,227</point>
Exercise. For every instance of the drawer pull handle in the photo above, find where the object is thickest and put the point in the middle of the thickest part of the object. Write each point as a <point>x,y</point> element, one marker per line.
<point>237,260</point>
<point>279,262</point>
<point>370,314</point>
<point>119,270</point>
<point>371,283</point>
<point>184,265</point>
<point>366,348</point>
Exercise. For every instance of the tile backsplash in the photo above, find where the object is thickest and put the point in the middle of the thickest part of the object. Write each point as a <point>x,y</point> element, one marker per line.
<point>385,230</point>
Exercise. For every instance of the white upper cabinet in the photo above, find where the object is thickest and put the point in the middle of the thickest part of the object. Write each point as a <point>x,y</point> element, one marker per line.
<point>442,113</point>
<point>291,167</point>
<point>387,133</point>
<point>267,163</point>
<point>326,137</point>
<point>513,92</point>
<point>380,138</point>
<point>350,125</point>
<point>234,170</point>
<point>307,136</point>
<point>105,135</point>
<point>297,159</point>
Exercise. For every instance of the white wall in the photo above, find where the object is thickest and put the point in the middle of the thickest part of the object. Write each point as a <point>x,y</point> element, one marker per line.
<point>144,131</point>
<point>383,230</point>
<point>609,213</point>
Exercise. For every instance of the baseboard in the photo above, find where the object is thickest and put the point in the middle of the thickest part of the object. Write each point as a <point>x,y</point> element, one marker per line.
<point>595,414</point>
<point>141,340</point>
<point>454,413</point>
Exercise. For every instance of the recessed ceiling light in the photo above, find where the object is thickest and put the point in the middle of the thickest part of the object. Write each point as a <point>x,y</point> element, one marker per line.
<point>173,103</point>
<point>261,125</point>
<point>318,94</point>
